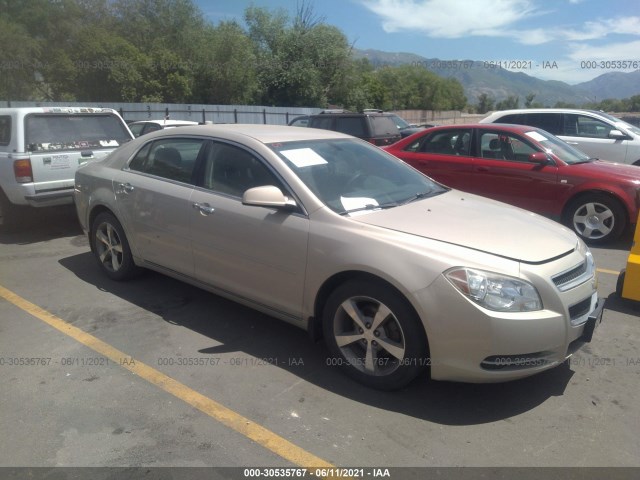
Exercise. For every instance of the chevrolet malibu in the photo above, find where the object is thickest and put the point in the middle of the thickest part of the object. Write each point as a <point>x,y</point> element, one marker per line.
<point>397,273</point>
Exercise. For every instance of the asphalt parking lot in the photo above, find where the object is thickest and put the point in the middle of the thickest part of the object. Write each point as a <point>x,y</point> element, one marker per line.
<point>156,373</point>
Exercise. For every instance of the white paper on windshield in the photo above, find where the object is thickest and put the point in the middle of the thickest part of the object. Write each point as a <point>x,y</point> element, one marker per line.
<point>354,203</point>
<point>536,136</point>
<point>304,157</point>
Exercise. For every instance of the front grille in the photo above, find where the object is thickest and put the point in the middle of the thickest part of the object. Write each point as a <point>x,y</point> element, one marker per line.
<point>580,309</point>
<point>563,280</point>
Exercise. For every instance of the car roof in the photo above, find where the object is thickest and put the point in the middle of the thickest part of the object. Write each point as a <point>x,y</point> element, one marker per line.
<point>26,110</point>
<point>485,126</point>
<point>165,122</point>
<point>261,133</point>
<point>545,110</point>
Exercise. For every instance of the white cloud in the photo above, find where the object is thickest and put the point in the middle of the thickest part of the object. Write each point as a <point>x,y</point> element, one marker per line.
<point>489,18</point>
<point>450,18</point>
<point>610,51</point>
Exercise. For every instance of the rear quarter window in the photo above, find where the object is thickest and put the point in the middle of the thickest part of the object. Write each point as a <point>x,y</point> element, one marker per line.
<point>5,130</point>
<point>383,126</point>
<point>74,132</point>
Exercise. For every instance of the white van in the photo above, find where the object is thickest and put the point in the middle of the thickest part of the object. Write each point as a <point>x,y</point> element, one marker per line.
<point>41,148</point>
<point>597,134</point>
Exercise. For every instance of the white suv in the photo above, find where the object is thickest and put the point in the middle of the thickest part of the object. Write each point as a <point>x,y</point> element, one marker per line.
<point>41,148</point>
<point>597,134</point>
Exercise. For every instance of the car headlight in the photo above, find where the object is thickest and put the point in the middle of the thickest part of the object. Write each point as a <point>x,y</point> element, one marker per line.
<point>494,291</point>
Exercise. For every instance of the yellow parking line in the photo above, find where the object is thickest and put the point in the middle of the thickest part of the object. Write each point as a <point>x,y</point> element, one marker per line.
<point>259,434</point>
<point>610,272</point>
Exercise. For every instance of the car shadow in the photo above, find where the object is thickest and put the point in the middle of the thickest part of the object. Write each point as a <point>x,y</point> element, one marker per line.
<point>43,224</point>
<point>235,328</point>
<point>622,305</point>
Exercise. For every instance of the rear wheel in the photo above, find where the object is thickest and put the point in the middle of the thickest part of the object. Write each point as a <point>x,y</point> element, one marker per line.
<point>374,335</point>
<point>111,248</point>
<point>596,218</point>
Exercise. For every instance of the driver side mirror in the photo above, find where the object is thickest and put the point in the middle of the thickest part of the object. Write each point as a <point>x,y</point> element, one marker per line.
<point>267,196</point>
<point>540,158</point>
<point>617,135</point>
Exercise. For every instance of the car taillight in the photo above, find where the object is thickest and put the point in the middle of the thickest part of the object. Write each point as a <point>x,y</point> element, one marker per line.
<point>22,170</point>
<point>371,140</point>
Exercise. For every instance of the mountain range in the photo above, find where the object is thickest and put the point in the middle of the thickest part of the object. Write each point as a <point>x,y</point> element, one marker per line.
<point>499,83</point>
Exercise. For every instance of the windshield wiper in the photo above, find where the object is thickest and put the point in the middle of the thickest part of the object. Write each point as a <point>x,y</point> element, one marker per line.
<point>421,195</point>
<point>371,207</point>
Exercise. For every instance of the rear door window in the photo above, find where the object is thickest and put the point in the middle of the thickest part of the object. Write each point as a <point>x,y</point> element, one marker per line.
<point>324,123</point>
<point>551,122</point>
<point>173,158</point>
<point>351,126</point>
<point>49,132</point>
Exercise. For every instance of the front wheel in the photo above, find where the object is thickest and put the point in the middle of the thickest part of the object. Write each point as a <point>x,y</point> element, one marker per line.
<point>111,248</point>
<point>596,218</point>
<point>374,335</point>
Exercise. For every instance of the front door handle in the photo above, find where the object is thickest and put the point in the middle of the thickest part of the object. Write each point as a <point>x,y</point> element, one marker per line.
<point>125,188</point>
<point>204,208</point>
<point>573,143</point>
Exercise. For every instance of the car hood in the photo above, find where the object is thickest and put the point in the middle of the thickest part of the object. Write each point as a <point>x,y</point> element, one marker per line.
<point>480,224</point>
<point>604,169</point>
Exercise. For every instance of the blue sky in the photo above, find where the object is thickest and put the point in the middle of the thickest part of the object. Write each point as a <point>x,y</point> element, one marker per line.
<point>568,32</point>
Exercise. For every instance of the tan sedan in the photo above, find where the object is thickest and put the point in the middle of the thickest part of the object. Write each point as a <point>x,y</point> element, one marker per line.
<point>398,273</point>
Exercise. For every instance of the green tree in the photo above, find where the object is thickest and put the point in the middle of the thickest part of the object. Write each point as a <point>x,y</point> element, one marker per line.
<point>19,65</point>
<point>299,61</point>
<point>226,69</point>
<point>485,103</point>
<point>511,102</point>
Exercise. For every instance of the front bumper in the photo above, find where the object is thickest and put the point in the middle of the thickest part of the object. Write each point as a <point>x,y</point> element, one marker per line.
<point>469,343</point>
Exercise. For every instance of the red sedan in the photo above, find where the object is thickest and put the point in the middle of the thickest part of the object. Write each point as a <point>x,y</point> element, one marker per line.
<point>532,169</point>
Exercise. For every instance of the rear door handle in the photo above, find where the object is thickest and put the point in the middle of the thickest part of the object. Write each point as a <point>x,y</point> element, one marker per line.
<point>573,143</point>
<point>204,208</point>
<point>482,169</point>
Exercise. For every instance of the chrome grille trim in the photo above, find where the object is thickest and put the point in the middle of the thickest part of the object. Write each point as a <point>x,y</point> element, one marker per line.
<point>572,277</point>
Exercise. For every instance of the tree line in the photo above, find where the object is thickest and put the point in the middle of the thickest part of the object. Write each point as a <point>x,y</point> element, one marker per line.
<point>166,51</point>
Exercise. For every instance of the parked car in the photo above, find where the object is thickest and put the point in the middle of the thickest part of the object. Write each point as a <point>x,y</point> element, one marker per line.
<point>143,127</point>
<point>300,121</point>
<point>375,127</point>
<point>41,148</point>
<point>398,273</point>
<point>597,134</point>
<point>530,168</point>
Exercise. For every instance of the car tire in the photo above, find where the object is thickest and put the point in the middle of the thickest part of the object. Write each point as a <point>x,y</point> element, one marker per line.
<point>111,248</point>
<point>374,335</point>
<point>9,214</point>
<point>596,218</point>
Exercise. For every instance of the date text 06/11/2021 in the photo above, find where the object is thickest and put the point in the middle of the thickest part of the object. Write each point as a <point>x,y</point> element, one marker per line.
<point>325,472</point>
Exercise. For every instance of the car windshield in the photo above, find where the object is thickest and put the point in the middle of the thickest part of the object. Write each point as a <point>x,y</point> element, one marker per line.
<point>557,147</point>
<point>351,176</point>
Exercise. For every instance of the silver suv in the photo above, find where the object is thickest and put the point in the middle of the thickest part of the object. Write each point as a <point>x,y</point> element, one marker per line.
<point>597,134</point>
<point>41,148</point>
